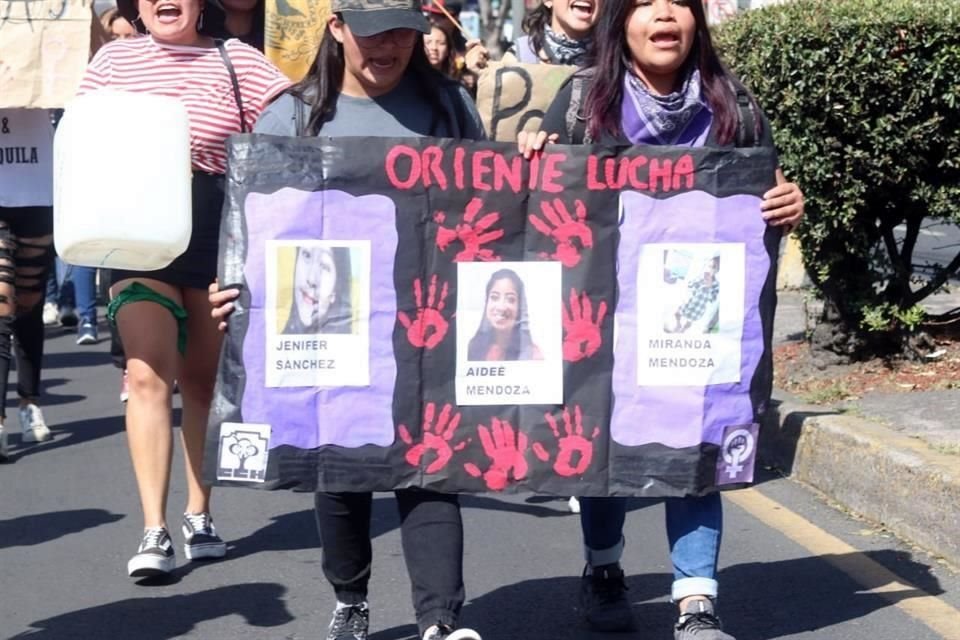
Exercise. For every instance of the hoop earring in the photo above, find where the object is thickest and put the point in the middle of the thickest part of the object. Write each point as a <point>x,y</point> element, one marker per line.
<point>200,22</point>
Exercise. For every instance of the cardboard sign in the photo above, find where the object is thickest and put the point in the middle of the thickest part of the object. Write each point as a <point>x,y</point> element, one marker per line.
<point>514,97</point>
<point>440,314</point>
<point>46,46</point>
<point>293,32</point>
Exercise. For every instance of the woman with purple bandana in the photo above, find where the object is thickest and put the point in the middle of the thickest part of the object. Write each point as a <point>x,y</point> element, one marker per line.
<point>662,83</point>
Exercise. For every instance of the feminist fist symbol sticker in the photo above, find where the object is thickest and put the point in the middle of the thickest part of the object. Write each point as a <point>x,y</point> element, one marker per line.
<point>472,234</point>
<point>505,447</point>
<point>582,336</point>
<point>436,438</point>
<point>563,229</point>
<point>576,450</point>
<point>429,326</point>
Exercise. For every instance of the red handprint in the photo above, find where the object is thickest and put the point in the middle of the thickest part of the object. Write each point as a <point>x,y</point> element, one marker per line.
<point>473,236</point>
<point>565,229</point>
<point>436,438</point>
<point>572,445</point>
<point>582,336</point>
<point>506,448</point>
<point>429,327</point>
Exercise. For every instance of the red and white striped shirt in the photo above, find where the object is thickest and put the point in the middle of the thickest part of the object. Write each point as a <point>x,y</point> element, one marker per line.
<point>199,78</point>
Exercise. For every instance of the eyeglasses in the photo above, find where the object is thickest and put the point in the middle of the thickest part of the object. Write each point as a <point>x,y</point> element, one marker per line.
<point>403,38</point>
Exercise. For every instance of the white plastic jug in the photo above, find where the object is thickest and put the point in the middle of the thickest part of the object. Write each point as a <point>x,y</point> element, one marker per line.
<point>124,206</point>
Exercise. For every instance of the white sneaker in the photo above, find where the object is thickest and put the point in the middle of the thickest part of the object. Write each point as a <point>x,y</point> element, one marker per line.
<point>574,504</point>
<point>4,449</point>
<point>444,632</point>
<point>155,555</point>
<point>32,425</point>
<point>51,314</point>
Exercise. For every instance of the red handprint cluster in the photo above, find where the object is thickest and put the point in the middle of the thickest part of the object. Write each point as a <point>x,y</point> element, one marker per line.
<point>429,326</point>
<point>472,233</point>
<point>505,446</point>
<point>436,438</point>
<point>581,332</point>
<point>575,450</point>
<point>563,228</point>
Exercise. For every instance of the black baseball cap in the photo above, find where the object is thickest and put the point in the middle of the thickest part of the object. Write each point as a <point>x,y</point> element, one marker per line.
<point>370,17</point>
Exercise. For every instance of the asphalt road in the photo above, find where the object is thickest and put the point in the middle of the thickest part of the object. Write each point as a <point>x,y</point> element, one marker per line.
<point>792,566</point>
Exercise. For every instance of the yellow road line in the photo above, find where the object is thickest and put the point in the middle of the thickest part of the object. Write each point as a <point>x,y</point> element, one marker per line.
<point>875,578</point>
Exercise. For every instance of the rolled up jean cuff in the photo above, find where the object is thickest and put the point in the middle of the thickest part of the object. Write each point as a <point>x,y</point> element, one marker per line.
<point>600,557</point>
<point>686,587</point>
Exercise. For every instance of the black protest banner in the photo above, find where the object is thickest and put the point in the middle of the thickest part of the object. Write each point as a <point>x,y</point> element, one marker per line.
<point>440,314</point>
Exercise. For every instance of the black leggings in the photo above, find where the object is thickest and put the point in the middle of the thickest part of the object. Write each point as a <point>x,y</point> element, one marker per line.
<point>431,531</point>
<point>26,253</point>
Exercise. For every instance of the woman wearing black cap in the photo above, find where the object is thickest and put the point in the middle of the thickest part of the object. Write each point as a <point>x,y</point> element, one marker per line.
<point>163,316</point>
<point>371,77</point>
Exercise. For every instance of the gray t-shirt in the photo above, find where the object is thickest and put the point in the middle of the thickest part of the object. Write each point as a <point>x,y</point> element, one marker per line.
<point>401,113</point>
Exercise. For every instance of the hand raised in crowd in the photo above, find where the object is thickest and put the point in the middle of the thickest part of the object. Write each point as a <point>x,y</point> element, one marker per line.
<point>477,56</point>
<point>532,141</point>
<point>783,205</point>
<point>222,303</point>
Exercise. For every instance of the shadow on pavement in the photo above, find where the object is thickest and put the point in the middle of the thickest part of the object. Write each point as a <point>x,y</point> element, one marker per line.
<point>534,505</point>
<point>73,359</point>
<point>28,531</point>
<point>759,601</point>
<point>162,618</point>
<point>71,433</point>
<point>779,435</point>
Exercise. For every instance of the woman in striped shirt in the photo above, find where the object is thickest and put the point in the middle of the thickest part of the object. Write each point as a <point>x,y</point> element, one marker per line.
<point>225,87</point>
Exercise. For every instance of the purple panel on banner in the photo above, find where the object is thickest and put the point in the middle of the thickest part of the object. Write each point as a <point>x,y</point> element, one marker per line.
<point>308,417</point>
<point>683,365</point>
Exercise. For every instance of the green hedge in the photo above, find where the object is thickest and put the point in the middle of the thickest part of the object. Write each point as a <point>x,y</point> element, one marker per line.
<point>864,97</point>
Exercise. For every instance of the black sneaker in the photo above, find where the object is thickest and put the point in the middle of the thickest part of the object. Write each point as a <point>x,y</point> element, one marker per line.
<point>603,599</point>
<point>155,555</point>
<point>699,621</point>
<point>446,632</point>
<point>200,538</point>
<point>350,622</point>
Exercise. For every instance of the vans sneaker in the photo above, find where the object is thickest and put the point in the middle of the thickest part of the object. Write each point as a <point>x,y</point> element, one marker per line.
<point>603,599</point>
<point>350,622</point>
<point>32,424</point>
<point>155,555</point>
<point>446,632</point>
<point>699,621</point>
<point>200,537</point>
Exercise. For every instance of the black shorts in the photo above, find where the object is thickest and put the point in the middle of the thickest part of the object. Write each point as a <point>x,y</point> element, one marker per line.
<point>28,222</point>
<point>197,267</point>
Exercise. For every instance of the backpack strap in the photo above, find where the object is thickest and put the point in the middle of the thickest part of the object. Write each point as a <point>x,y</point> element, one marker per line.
<point>299,116</point>
<point>236,84</point>
<point>576,123</point>
<point>746,120</point>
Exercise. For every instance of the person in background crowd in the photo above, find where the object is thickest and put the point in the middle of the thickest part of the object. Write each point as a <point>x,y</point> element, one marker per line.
<point>163,316</point>
<point>244,20</point>
<point>441,53</point>
<point>115,26</point>
<point>655,78</point>
<point>26,253</point>
<point>556,32</point>
<point>371,76</point>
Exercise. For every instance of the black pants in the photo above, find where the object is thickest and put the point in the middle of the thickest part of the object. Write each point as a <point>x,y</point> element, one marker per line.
<point>431,531</point>
<point>24,264</point>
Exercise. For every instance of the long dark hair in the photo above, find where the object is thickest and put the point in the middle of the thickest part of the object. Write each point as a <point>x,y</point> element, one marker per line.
<point>449,64</point>
<point>320,88</point>
<point>339,318</point>
<point>520,346</point>
<point>535,24</point>
<point>611,59</point>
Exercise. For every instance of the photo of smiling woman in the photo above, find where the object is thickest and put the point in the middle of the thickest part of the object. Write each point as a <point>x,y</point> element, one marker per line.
<point>320,298</point>
<point>504,331</point>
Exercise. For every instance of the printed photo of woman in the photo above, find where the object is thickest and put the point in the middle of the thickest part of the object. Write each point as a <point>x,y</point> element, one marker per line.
<point>504,331</point>
<point>321,295</point>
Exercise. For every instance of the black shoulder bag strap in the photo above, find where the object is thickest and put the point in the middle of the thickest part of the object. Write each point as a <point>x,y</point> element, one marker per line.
<point>747,122</point>
<point>576,123</point>
<point>236,84</point>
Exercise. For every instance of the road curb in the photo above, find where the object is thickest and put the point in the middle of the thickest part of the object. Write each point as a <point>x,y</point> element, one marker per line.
<point>886,477</point>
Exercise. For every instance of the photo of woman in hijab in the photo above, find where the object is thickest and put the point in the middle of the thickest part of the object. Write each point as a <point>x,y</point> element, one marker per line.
<point>321,292</point>
<point>504,332</point>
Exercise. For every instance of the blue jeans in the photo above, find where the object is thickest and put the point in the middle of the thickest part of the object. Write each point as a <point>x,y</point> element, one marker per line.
<point>694,528</point>
<point>77,289</point>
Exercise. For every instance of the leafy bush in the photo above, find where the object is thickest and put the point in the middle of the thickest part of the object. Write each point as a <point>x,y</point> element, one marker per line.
<point>864,99</point>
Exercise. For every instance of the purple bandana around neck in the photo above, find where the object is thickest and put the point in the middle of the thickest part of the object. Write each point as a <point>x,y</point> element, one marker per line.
<point>680,118</point>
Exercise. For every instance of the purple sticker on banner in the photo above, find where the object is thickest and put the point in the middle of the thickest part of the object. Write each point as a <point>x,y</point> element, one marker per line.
<point>738,454</point>
<point>301,414</point>
<point>688,330</point>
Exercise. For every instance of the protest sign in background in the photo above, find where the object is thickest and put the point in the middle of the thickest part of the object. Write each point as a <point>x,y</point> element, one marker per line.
<point>44,49</point>
<point>294,29</point>
<point>514,97</point>
<point>377,274</point>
